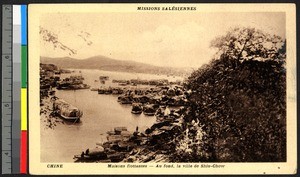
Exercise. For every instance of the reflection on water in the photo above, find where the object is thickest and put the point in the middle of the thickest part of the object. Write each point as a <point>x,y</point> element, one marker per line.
<point>101,113</point>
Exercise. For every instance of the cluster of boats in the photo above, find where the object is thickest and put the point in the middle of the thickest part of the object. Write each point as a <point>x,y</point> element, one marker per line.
<point>49,76</point>
<point>152,82</point>
<point>149,109</point>
<point>160,100</point>
<point>110,90</point>
<point>119,142</point>
<point>149,101</point>
<point>72,83</point>
<point>124,146</point>
<point>162,113</point>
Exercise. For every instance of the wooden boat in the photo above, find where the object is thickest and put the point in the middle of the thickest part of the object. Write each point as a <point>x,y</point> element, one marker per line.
<point>52,92</point>
<point>94,89</point>
<point>120,129</point>
<point>101,91</point>
<point>136,108</point>
<point>66,110</point>
<point>123,84</point>
<point>96,151</point>
<point>125,99</point>
<point>111,132</point>
<point>150,109</point>
<point>125,134</point>
<point>104,78</point>
<point>114,138</point>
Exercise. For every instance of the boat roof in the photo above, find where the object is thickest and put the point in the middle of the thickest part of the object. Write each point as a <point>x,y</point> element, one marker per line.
<point>63,102</point>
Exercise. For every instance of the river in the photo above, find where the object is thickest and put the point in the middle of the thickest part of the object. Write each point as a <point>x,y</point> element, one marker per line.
<point>101,113</point>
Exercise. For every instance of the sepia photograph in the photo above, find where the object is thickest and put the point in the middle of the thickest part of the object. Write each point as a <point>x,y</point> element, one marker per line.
<point>161,84</point>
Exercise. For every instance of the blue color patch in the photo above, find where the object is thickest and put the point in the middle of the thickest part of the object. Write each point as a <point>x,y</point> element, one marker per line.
<point>24,24</point>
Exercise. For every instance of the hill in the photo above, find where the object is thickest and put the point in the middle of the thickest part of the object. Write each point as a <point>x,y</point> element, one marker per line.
<point>109,64</point>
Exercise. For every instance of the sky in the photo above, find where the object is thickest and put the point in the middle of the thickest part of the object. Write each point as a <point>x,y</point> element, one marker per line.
<point>173,39</point>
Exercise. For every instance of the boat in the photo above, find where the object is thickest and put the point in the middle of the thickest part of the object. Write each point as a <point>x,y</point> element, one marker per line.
<point>125,99</point>
<point>141,99</point>
<point>66,110</point>
<point>94,89</point>
<point>118,130</point>
<point>95,151</point>
<point>101,91</point>
<point>150,109</point>
<point>52,92</point>
<point>123,84</point>
<point>117,91</point>
<point>136,108</point>
<point>104,78</point>
<point>72,83</point>
<point>113,150</point>
<point>92,155</point>
<point>111,132</point>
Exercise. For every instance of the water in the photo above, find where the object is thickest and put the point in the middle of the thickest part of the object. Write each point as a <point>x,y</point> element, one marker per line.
<point>101,113</point>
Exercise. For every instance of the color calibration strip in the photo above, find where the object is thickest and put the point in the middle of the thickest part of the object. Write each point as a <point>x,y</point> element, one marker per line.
<point>23,152</point>
<point>14,89</point>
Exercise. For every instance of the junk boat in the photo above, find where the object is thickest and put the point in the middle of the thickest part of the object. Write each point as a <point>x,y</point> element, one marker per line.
<point>66,110</point>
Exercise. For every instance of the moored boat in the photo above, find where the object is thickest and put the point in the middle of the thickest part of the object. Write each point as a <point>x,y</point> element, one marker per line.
<point>94,89</point>
<point>136,108</point>
<point>104,78</point>
<point>150,109</point>
<point>66,110</point>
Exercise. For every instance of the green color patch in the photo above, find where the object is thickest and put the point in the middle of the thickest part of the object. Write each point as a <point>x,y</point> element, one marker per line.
<point>24,66</point>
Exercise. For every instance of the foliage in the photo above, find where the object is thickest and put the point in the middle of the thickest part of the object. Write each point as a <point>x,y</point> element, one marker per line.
<point>190,146</point>
<point>240,99</point>
<point>248,44</point>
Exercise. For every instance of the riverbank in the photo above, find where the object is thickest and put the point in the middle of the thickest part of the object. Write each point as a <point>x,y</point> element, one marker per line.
<point>47,120</point>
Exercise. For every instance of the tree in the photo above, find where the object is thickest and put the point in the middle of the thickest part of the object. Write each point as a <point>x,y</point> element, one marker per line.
<point>249,44</point>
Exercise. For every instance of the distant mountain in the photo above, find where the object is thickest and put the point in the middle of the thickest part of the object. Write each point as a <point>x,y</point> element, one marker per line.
<point>109,64</point>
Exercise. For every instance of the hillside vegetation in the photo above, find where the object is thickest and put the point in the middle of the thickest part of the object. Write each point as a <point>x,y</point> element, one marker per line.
<point>238,102</point>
